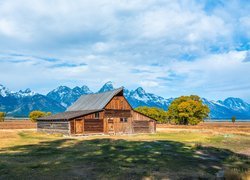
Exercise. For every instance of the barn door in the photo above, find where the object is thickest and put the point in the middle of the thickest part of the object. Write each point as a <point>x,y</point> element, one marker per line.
<point>79,126</point>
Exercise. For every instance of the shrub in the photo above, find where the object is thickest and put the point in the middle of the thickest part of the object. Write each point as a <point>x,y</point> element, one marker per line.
<point>2,116</point>
<point>37,114</point>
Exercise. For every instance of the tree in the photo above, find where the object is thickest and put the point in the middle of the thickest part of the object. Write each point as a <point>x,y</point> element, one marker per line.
<point>187,110</point>
<point>156,113</point>
<point>233,119</point>
<point>37,114</point>
<point>2,116</point>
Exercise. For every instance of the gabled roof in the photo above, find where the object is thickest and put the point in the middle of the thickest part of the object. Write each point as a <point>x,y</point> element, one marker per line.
<point>94,101</point>
<point>68,115</point>
<point>85,105</point>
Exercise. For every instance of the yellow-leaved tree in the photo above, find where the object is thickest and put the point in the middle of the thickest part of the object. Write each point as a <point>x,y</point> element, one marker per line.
<point>2,116</point>
<point>187,110</point>
<point>37,114</point>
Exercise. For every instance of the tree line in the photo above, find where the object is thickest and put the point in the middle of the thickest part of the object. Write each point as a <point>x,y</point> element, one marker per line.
<point>33,115</point>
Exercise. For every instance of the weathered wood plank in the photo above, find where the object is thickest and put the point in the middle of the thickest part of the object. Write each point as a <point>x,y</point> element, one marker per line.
<point>52,125</point>
<point>118,113</point>
<point>118,103</point>
<point>96,125</point>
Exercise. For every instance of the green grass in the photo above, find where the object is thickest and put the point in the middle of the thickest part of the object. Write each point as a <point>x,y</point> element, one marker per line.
<point>157,156</point>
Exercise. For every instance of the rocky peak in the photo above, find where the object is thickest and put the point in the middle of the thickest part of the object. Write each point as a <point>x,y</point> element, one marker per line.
<point>140,91</point>
<point>108,86</point>
<point>26,92</point>
<point>4,91</point>
<point>86,89</point>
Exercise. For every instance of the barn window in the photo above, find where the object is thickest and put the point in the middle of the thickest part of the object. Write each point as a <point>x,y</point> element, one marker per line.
<point>123,120</point>
<point>97,115</point>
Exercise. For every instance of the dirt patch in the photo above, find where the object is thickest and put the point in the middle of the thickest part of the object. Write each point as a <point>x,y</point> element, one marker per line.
<point>245,152</point>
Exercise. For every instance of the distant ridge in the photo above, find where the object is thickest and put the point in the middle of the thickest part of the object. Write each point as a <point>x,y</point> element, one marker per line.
<point>22,102</point>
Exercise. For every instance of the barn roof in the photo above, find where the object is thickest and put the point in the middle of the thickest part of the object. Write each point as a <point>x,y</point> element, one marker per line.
<point>94,101</point>
<point>68,115</point>
<point>86,104</point>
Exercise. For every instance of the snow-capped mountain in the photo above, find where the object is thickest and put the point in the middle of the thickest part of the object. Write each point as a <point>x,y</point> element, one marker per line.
<point>139,97</point>
<point>57,100</point>
<point>236,104</point>
<point>228,108</point>
<point>67,96</point>
<point>22,102</point>
<point>108,86</point>
<point>4,91</point>
<point>21,93</point>
<point>26,92</point>
<point>27,104</point>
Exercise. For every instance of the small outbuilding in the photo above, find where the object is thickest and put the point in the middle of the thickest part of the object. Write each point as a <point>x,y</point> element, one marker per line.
<point>106,113</point>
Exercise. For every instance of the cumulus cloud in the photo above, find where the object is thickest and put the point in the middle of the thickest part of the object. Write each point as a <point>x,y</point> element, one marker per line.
<point>180,47</point>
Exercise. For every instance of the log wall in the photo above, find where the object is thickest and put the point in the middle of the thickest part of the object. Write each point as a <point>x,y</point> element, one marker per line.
<point>53,127</point>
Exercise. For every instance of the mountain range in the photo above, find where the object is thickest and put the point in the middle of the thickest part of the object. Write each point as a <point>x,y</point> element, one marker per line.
<point>22,102</point>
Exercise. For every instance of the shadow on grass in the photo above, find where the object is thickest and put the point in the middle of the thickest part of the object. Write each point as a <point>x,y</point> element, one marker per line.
<point>116,159</point>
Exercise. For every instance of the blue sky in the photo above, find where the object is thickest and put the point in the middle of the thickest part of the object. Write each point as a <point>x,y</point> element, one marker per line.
<point>168,47</point>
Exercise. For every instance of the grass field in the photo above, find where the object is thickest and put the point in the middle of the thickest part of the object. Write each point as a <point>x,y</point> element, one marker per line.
<point>174,154</point>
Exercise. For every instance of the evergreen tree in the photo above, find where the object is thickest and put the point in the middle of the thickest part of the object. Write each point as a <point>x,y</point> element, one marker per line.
<point>233,119</point>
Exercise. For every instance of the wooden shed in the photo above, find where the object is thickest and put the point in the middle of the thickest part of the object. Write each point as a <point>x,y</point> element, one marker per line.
<point>106,113</point>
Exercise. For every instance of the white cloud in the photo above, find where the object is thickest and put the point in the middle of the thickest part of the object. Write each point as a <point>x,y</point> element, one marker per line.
<point>149,84</point>
<point>178,46</point>
<point>245,24</point>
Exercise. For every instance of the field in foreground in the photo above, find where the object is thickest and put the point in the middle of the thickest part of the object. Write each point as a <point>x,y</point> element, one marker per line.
<point>171,153</point>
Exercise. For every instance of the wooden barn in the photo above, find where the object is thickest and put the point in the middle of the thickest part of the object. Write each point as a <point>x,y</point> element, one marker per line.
<point>106,113</point>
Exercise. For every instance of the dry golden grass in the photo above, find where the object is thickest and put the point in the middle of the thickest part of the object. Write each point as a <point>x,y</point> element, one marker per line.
<point>17,124</point>
<point>242,128</point>
<point>196,153</point>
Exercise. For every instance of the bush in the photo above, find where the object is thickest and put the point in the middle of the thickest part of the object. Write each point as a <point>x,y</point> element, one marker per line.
<point>187,110</point>
<point>37,114</point>
<point>233,119</point>
<point>2,116</point>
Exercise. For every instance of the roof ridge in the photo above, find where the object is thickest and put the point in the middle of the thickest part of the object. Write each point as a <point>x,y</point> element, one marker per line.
<point>94,101</point>
<point>67,115</point>
<point>120,88</point>
<point>110,90</point>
